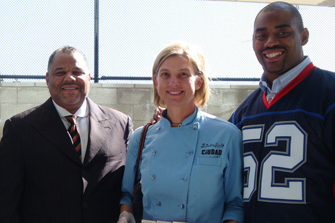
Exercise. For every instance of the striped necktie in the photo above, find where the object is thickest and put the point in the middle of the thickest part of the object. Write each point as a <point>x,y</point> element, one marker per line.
<point>74,134</point>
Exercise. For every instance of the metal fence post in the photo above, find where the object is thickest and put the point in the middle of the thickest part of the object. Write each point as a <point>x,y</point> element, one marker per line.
<point>96,41</point>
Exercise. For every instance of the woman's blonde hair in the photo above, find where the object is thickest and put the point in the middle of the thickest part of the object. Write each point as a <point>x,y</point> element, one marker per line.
<point>201,95</point>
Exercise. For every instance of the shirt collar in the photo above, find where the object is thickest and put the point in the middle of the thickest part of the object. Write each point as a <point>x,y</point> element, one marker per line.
<point>81,112</point>
<point>280,82</point>
<point>187,121</point>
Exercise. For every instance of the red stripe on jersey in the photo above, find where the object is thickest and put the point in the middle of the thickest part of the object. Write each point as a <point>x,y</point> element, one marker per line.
<point>303,74</point>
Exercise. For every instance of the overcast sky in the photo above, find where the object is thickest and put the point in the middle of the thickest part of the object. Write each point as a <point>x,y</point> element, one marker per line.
<point>132,32</point>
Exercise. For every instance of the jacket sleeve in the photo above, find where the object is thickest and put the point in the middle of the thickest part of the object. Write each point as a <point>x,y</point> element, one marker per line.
<point>129,174</point>
<point>11,174</point>
<point>233,180</point>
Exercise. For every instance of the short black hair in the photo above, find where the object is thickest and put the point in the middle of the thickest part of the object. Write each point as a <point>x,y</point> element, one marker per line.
<point>285,6</point>
<point>64,49</point>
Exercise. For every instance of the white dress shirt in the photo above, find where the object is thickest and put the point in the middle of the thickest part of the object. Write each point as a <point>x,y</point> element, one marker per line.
<point>82,123</point>
<point>283,80</point>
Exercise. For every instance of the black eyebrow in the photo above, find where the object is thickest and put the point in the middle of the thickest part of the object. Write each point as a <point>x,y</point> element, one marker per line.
<point>282,26</point>
<point>277,27</point>
<point>62,68</point>
<point>260,29</point>
<point>59,68</point>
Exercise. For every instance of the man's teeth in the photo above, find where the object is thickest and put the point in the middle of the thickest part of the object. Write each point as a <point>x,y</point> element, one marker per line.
<point>69,88</point>
<point>272,55</point>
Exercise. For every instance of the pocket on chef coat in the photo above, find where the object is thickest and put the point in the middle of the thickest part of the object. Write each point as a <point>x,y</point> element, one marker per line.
<point>209,161</point>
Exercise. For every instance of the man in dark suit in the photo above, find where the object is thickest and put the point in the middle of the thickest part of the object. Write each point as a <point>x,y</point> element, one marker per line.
<point>43,179</point>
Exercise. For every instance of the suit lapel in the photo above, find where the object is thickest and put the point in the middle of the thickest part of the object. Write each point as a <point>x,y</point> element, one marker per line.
<point>50,125</point>
<point>100,129</point>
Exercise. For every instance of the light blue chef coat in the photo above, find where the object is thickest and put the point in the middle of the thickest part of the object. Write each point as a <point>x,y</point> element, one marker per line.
<point>191,173</point>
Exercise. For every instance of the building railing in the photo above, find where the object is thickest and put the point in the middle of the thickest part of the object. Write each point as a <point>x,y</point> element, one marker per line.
<point>4,77</point>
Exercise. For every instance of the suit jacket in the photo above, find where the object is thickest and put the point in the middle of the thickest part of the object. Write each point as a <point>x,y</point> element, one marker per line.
<point>41,176</point>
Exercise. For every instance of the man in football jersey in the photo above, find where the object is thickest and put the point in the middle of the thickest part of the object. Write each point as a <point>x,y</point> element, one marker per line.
<point>288,126</point>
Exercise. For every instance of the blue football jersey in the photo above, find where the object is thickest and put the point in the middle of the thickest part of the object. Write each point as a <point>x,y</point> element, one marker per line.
<point>289,147</point>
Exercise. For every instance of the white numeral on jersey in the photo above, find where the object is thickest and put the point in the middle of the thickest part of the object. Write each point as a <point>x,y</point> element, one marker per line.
<point>250,166</point>
<point>292,190</point>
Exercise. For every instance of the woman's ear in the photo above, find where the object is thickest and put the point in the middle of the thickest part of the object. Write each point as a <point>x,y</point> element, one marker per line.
<point>198,83</point>
<point>154,79</point>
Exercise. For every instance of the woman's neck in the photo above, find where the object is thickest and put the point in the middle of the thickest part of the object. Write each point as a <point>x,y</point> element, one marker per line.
<point>176,115</point>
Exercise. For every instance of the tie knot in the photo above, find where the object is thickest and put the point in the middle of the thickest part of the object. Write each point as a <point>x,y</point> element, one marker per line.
<point>71,119</point>
<point>74,134</point>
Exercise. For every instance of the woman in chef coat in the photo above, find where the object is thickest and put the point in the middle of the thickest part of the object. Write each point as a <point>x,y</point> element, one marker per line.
<point>191,169</point>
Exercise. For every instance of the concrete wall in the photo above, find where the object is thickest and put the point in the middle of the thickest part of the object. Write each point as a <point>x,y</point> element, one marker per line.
<point>132,99</point>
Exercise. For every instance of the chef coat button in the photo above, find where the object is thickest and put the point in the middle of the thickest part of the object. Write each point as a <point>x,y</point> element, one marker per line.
<point>158,128</point>
<point>153,177</point>
<point>195,127</point>
<point>154,152</point>
<point>182,206</point>
<point>191,152</point>
<point>185,179</point>
<point>158,204</point>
